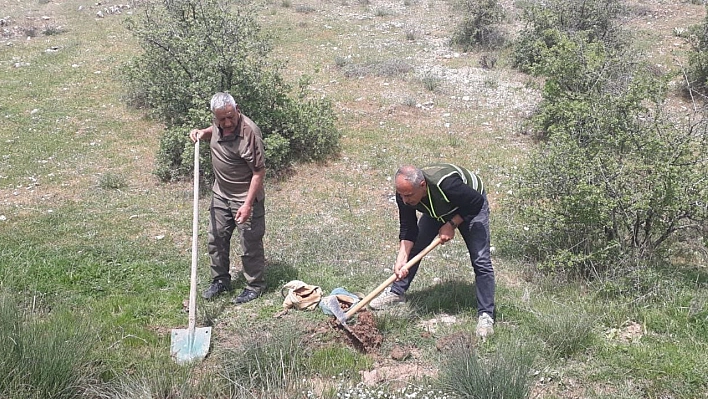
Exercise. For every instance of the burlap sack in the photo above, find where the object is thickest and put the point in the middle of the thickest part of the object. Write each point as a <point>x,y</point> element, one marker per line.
<point>301,296</point>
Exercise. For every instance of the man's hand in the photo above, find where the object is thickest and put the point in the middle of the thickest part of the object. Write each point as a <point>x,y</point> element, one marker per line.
<point>194,135</point>
<point>200,134</point>
<point>399,271</point>
<point>402,259</point>
<point>243,213</point>
<point>446,232</point>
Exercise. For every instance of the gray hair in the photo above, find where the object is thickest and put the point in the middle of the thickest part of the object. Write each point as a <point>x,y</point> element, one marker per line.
<point>410,174</point>
<point>222,100</point>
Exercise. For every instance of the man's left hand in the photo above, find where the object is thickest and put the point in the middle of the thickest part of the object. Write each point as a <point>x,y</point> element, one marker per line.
<point>446,232</point>
<point>243,213</point>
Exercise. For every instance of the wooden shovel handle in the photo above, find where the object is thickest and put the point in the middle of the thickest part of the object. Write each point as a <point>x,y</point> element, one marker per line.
<point>391,279</point>
<point>195,256</point>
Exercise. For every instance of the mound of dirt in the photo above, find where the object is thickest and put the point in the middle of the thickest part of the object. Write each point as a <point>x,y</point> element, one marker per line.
<point>364,335</point>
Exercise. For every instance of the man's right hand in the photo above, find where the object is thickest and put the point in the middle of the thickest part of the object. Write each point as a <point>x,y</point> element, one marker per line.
<point>402,259</point>
<point>195,135</point>
<point>400,272</point>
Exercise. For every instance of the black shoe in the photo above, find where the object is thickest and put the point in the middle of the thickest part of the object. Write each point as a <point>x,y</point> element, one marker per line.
<point>246,296</point>
<point>216,288</point>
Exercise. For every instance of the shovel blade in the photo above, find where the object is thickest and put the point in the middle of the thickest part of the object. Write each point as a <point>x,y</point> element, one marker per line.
<point>332,303</point>
<point>188,346</point>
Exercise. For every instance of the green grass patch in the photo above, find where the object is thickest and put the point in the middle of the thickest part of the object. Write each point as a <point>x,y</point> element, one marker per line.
<point>44,355</point>
<point>505,373</point>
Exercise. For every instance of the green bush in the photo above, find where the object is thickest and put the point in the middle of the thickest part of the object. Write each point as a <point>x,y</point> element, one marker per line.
<point>195,48</point>
<point>548,23</point>
<point>479,25</point>
<point>615,179</point>
<point>580,73</point>
<point>697,70</point>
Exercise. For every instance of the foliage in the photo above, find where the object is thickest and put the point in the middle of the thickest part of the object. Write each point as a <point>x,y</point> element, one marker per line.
<point>42,357</point>
<point>479,25</point>
<point>504,374</point>
<point>195,48</point>
<point>579,72</point>
<point>273,364</point>
<point>566,333</point>
<point>337,360</point>
<point>112,181</point>
<point>160,379</point>
<point>103,253</point>
<point>548,23</point>
<point>615,179</point>
<point>697,70</point>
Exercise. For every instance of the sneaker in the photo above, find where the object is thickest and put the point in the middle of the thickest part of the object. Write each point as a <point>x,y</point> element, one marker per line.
<point>485,326</point>
<point>216,288</point>
<point>246,296</point>
<point>386,299</point>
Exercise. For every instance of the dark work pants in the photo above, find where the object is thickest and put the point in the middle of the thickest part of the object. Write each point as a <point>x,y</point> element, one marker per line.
<point>475,232</point>
<point>221,227</point>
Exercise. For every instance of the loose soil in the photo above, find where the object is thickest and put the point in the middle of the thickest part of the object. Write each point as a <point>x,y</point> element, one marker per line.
<point>366,337</point>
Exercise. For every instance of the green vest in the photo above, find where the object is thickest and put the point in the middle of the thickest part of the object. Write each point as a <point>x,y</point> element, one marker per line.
<point>435,203</point>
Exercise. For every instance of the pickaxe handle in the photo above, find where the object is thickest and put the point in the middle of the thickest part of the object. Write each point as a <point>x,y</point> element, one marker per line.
<point>391,279</point>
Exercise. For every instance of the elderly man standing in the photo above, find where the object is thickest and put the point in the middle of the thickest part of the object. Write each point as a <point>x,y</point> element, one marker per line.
<point>449,198</point>
<point>238,196</point>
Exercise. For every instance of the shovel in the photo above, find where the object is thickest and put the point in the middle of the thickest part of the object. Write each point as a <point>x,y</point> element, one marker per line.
<point>343,317</point>
<point>193,343</point>
<point>332,304</point>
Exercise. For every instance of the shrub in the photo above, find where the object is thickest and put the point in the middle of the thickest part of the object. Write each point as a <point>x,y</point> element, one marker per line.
<point>431,81</point>
<point>112,181</point>
<point>697,70</point>
<point>550,22</point>
<point>615,179</point>
<point>195,48</point>
<point>479,25</point>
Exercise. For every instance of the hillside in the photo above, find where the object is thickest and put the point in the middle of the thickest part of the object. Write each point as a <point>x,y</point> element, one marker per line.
<point>86,225</point>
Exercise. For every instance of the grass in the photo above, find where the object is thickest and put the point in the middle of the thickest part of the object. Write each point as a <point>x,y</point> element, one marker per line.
<point>504,374</point>
<point>43,356</point>
<point>89,238</point>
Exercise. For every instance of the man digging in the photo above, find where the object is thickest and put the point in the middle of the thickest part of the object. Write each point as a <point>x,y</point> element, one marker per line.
<point>449,198</point>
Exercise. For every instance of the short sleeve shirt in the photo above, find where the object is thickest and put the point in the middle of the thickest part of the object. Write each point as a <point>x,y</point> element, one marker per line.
<point>235,157</point>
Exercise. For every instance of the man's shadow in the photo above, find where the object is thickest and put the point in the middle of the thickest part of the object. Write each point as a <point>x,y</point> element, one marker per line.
<point>448,297</point>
